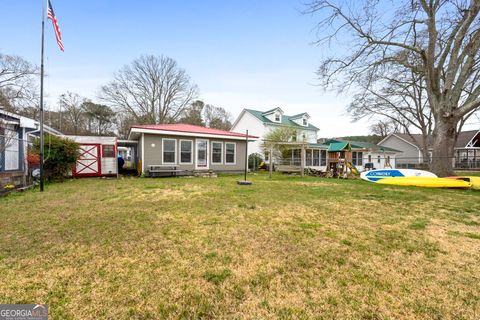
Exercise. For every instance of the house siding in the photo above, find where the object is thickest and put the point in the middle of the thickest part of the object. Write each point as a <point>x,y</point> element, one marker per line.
<point>255,127</point>
<point>153,153</point>
<point>408,155</point>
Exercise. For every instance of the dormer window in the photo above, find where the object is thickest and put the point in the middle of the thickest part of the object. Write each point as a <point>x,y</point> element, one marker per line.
<point>305,121</point>
<point>277,117</point>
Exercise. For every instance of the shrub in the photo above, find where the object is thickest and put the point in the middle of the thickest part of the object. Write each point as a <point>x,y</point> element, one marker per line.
<point>33,158</point>
<point>60,155</point>
<point>254,161</point>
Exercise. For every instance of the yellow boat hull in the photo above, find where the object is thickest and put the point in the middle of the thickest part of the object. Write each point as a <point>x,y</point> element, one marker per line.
<point>474,181</point>
<point>426,182</point>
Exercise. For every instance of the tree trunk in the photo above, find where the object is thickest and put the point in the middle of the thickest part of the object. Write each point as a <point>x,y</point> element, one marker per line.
<point>444,139</point>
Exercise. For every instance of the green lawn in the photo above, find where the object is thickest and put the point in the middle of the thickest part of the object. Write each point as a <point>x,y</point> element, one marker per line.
<point>290,248</point>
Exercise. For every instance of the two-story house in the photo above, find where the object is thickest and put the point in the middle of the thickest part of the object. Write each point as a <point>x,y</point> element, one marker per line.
<point>260,123</point>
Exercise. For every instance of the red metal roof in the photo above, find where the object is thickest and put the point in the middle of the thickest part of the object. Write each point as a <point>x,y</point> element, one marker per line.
<point>190,128</point>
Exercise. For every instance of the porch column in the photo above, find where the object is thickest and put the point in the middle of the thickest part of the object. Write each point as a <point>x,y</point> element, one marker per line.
<point>302,160</point>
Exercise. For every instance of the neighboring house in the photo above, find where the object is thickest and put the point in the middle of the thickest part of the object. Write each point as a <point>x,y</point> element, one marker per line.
<point>15,135</point>
<point>260,123</point>
<point>188,148</point>
<point>467,149</point>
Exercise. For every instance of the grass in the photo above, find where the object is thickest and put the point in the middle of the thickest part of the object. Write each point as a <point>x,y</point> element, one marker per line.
<point>290,248</point>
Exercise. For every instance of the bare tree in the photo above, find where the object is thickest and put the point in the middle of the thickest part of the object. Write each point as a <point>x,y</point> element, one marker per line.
<point>217,117</point>
<point>17,82</point>
<point>152,89</point>
<point>437,39</point>
<point>72,112</point>
<point>401,103</point>
<point>384,127</point>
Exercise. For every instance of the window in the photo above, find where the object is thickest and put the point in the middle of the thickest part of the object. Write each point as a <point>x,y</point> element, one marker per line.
<point>186,147</point>
<point>277,117</point>
<point>305,122</point>
<point>169,148</point>
<point>308,158</point>
<point>357,158</point>
<point>316,158</point>
<point>369,158</point>
<point>378,159</point>
<point>108,151</point>
<point>230,153</point>
<point>323,157</point>
<point>11,147</point>
<point>217,152</point>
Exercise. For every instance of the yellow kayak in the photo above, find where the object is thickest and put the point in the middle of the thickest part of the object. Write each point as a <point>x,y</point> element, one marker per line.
<point>426,182</point>
<point>474,181</point>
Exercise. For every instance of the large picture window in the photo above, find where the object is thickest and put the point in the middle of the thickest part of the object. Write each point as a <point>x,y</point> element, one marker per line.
<point>323,158</point>
<point>217,152</point>
<point>186,150</point>
<point>308,157</point>
<point>168,147</point>
<point>316,158</point>
<point>230,150</point>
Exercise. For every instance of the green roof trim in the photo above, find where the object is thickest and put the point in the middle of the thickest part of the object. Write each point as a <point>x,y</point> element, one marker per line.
<point>285,121</point>
<point>339,146</point>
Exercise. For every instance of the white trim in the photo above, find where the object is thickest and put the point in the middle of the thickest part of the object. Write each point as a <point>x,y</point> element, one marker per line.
<point>180,151</point>
<point>470,141</point>
<point>221,153</point>
<point>207,167</point>
<point>239,117</point>
<point>234,154</point>
<point>175,152</point>
<point>189,134</point>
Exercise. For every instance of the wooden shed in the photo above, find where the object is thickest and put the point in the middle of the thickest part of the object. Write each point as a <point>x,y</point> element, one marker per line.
<point>98,156</point>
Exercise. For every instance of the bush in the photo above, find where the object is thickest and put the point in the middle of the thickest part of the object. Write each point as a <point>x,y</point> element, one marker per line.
<point>254,161</point>
<point>60,155</point>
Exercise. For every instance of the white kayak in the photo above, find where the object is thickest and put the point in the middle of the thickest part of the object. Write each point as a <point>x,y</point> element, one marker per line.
<point>375,175</point>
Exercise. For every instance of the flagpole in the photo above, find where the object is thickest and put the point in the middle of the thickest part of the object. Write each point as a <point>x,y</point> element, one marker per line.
<point>41,101</point>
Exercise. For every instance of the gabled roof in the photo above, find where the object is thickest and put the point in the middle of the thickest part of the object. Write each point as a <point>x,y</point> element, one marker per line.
<point>188,129</point>
<point>300,115</point>
<point>415,139</point>
<point>272,111</point>
<point>362,145</point>
<point>339,146</point>
<point>27,123</point>
<point>285,121</point>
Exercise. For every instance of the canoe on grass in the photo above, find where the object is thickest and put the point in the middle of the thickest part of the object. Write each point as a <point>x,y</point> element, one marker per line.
<point>475,181</point>
<point>426,182</point>
<point>376,175</point>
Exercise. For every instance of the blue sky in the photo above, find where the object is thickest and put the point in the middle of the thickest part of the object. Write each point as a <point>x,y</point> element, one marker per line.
<point>241,54</point>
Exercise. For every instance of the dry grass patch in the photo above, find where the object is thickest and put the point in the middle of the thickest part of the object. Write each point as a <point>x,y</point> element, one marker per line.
<point>290,248</point>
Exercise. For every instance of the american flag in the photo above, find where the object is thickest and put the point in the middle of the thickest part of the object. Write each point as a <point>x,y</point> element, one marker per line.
<point>51,16</point>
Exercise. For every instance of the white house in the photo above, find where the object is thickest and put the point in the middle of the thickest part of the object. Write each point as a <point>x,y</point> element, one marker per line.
<point>260,123</point>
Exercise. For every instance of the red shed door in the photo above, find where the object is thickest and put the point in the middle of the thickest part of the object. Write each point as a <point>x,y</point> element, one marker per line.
<point>89,162</point>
